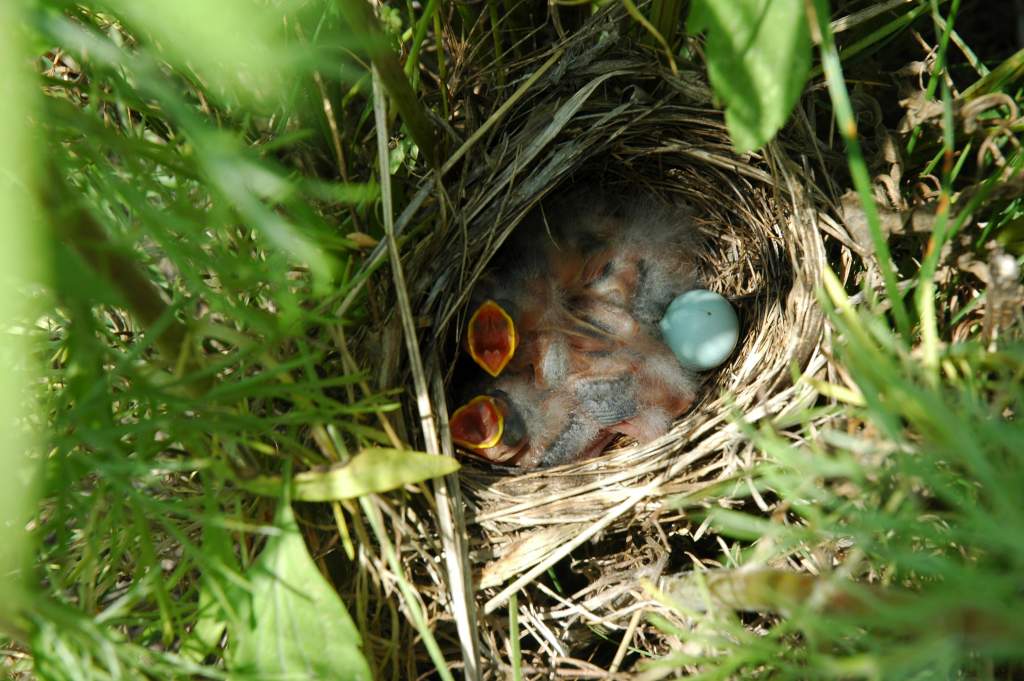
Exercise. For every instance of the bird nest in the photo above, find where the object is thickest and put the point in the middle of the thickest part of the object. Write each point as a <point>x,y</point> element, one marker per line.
<point>573,541</point>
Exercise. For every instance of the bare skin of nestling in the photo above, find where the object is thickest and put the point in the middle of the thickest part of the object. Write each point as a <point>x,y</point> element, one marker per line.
<point>564,327</point>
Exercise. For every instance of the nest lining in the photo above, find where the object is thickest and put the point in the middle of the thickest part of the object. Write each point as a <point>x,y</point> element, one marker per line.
<point>603,114</point>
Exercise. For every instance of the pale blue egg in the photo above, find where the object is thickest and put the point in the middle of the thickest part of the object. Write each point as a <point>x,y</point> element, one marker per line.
<point>702,329</point>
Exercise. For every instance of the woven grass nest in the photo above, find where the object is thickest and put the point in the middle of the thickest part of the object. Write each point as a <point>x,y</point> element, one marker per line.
<point>598,110</point>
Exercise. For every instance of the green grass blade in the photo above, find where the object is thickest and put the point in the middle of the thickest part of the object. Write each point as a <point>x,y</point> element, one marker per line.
<point>858,168</point>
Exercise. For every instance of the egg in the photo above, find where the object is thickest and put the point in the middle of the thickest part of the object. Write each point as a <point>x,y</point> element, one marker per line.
<point>702,329</point>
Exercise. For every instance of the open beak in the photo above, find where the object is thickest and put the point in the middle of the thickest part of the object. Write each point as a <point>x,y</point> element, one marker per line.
<point>492,337</point>
<point>478,424</point>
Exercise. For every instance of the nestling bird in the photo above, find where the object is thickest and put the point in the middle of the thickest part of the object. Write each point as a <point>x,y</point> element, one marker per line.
<point>513,422</point>
<point>522,303</point>
<point>565,326</point>
<point>649,259</point>
<point>577,405</point>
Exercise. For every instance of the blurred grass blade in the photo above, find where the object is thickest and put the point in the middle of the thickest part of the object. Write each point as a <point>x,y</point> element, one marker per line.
<point>758,58</point>
<point>222,591</point>
<point>760,589</point>
<point>21,259</point>
<point>234,45</point>
<point>372,470</point>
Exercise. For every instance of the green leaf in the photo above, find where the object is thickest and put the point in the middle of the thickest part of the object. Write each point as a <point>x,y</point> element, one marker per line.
<point>297,627</point>
<point>372,470</point>
<point>758,56</point>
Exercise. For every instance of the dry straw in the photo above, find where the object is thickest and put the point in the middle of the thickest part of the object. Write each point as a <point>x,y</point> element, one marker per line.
<point>598,110</point>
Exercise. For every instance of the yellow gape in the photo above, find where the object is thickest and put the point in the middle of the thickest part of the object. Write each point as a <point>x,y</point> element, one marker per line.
<point>492,337</point>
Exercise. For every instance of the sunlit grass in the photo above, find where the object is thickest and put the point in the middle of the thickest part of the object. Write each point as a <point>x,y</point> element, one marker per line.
<point>197,259</point>
<point>911,493</point>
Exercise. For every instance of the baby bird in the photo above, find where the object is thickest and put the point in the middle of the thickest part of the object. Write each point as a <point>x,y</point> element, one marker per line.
<point>634,390</point>
<point>510,304</point>
<point>576,403</point>
<point>567,331</point>
<point>664,389</point>
<point>513,422</point>
<point>648,260</point>
<point>491,426</point>
<point>526,302</point>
